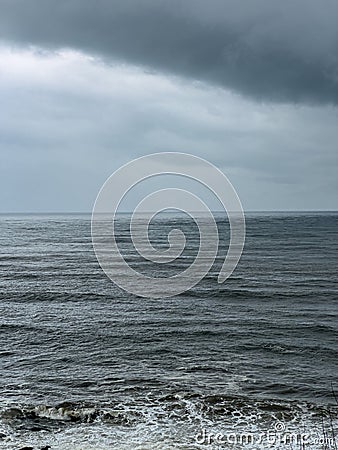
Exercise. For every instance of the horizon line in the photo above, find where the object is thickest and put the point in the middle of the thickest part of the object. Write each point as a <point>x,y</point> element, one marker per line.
<point>165,212</point>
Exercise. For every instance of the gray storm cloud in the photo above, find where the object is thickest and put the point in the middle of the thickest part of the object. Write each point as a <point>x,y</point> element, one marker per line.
<point>269,50</point>
<point>265,109</point>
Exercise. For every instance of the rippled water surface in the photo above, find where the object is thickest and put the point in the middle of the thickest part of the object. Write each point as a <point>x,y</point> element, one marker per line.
<point>84,365</point>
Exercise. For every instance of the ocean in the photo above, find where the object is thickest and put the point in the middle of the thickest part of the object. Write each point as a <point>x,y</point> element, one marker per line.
<point>250,363</point>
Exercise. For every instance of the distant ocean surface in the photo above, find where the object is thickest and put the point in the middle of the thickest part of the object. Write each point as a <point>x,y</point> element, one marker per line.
<point>85,365</point>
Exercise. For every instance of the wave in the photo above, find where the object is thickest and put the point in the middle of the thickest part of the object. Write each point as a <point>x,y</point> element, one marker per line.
<point>158,422</point>
<point>187,405</point>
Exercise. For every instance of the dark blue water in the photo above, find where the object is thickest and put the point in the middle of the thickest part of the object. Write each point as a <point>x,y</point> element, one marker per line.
<point>85,365</point>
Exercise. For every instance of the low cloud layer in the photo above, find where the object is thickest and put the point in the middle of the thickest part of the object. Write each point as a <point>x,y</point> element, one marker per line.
<point>250,85</point>
<point>275,51</point>
<point>68,121</point>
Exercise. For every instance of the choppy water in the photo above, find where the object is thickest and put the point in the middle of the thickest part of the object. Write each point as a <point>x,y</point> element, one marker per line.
<point>85,365</point>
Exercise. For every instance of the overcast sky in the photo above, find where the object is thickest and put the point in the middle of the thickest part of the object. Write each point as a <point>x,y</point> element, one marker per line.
<point>88,85</point>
